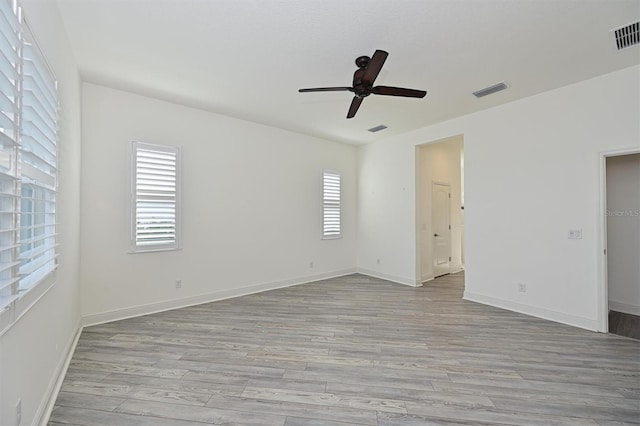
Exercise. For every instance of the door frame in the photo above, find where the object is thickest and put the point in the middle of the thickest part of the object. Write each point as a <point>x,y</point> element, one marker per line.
<point>603,285</point>
<point>418,194</point>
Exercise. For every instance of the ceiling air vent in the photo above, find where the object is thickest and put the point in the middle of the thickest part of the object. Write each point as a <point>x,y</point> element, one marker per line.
<point>491,89</point>
<point>377,128</point>
<point>628,35</point>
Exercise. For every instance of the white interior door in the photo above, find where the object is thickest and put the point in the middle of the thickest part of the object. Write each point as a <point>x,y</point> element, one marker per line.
<point>441,214</point>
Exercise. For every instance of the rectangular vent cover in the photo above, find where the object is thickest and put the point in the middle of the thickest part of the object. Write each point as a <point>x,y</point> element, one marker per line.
<point>627,36</point>
<point>491,89</point>
<point>377,128</point>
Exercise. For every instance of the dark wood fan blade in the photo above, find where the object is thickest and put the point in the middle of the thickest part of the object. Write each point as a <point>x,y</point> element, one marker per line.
<point>327,89</point>
<point>398,91</point>
<point>355,104</point>
<point>374,66</point>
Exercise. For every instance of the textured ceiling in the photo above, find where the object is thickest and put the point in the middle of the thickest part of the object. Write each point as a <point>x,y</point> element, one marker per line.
<point>247,58</point>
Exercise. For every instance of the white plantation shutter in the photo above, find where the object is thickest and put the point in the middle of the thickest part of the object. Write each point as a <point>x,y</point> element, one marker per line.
<point>28,167</point>
<point>9,137</point>
<point>331,226</point>
<point>38,164</point>
<point>156,186</point>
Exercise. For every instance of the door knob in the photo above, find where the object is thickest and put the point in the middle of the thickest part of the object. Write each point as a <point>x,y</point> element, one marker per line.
<point>436,235</point>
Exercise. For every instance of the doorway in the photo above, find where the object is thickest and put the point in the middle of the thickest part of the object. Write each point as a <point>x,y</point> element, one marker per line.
<point>439,215</point>
<point>622,243</point>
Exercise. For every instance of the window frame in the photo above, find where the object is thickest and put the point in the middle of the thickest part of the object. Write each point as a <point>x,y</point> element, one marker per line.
<point>328,205</point>
<point>134,247</point>
<point>28,169</point>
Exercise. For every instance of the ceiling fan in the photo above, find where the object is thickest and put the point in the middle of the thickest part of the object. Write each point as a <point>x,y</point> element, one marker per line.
<point>363,78</point>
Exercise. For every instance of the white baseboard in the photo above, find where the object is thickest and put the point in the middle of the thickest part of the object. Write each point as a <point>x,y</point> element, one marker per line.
<point>151,308</point>
<point>586,323</point>
<point>46,405</point>
<point>624,307</point>
<point>400,280</point>
<point>427,278</point>
<point>430,277</point>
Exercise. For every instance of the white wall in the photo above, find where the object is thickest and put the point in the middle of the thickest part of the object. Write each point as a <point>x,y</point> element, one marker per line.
<point>531,174</point>
<point>386,223</point>
<point>439,162</point>
<point>251,207</point>
<point>34,350</point>
<point>623,233</point>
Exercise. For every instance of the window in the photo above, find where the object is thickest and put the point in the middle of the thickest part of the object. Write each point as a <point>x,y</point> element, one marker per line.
<point>155,192</point>
<point>28,167</point>
<point>331,227</point>
<point>38,164</point>
<point>9,137</point>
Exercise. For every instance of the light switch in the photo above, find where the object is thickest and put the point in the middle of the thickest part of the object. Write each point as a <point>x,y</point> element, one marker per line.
<point>575,234</point>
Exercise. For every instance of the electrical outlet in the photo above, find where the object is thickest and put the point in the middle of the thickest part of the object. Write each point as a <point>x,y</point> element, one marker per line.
<point>178,283</point>
<point>522,288</point>
<point>19,412</point>
<point>310,264</point>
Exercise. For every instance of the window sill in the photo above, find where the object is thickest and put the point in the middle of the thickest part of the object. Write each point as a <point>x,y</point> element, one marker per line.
<point>23,302</point>
<point>154,250</point>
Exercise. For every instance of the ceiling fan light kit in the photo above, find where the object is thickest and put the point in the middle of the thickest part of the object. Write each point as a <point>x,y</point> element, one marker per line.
<point>363,79</point>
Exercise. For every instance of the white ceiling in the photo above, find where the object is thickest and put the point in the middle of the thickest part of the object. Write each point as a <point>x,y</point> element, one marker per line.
<point>248,58</point>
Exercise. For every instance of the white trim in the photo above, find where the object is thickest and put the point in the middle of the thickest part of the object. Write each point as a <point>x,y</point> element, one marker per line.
<point>24,302</point>
<point>136,147</point>
<point>603,286</point>
<point>151,308</point>
<point>430,277</point>
<point>153,250</point>
<point>46,405</point>
<point>602,309</point>
<point>427,278</point>
<point>7,315</point>
<point>31,296</point>
<point>400,280</point>
<point>624,307</point>
<point>547,314</point>
<point>334,174</point>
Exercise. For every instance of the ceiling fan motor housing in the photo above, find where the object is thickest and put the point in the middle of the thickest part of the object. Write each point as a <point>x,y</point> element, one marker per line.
<point>361,90</point>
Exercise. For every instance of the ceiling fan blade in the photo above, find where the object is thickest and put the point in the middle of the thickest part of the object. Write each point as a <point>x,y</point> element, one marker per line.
<point>398,91</point>
<point>355,104</point>
<point>327,89</point>
<point>374,66</point>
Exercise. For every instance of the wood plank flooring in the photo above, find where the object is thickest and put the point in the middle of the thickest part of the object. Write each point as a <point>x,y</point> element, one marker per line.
<point>353,350</point>
<point>624,324</point>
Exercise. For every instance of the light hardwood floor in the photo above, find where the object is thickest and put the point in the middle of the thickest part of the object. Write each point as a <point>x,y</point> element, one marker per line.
<point>347,351</point>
